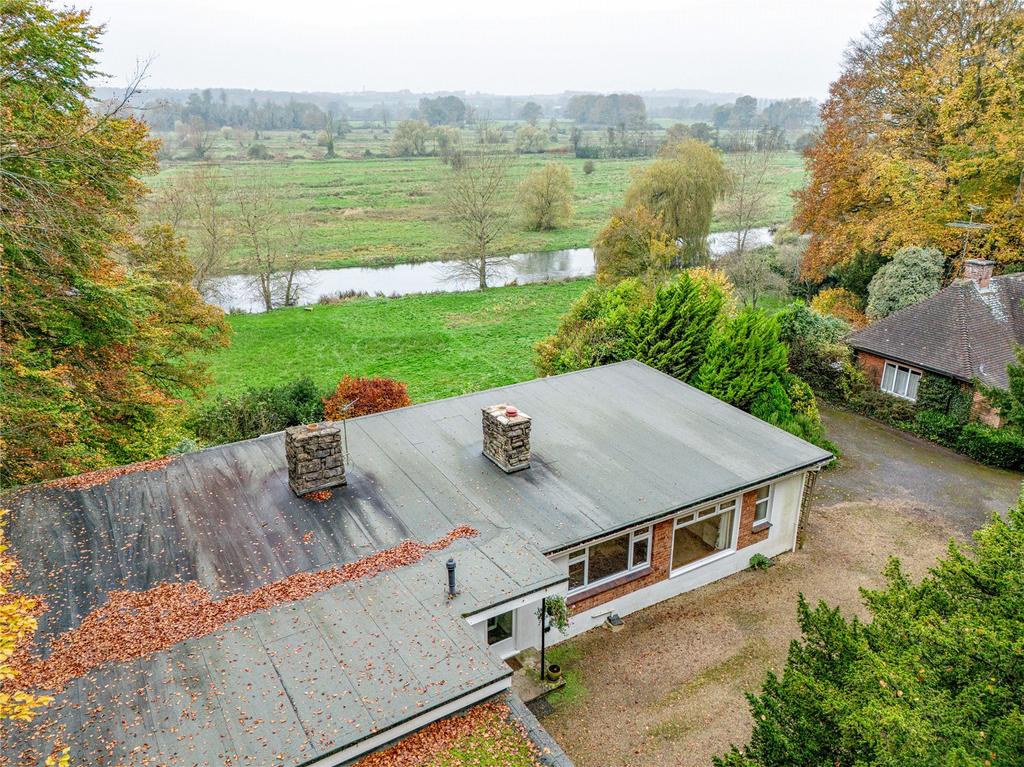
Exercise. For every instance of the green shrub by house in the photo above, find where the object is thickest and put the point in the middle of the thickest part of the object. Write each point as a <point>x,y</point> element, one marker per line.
<point>683,329</point>
<point>743,360</point>
<point>257,411</point>
<point>933,679</point>
<point>674,331</point>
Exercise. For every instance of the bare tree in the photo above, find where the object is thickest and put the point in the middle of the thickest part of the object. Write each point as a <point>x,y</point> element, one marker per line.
<point>754,273</point>
<point>272,241</point>
<point>747,202</point>
<point>198,137</point>
<point>475,197</point>
<point>196,205</point>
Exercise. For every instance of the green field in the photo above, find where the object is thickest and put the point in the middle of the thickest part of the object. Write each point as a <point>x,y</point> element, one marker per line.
<point>383,210</point>
<point>439,344</point>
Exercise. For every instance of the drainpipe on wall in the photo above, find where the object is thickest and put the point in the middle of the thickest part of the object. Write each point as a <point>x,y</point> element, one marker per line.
<point>543,619</point>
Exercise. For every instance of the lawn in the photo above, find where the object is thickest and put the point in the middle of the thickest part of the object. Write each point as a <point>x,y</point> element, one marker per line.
<point>439,344</point>
<point>380,210</point>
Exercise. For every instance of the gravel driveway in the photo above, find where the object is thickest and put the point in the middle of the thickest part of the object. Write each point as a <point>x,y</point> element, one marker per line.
<point>668,690</point>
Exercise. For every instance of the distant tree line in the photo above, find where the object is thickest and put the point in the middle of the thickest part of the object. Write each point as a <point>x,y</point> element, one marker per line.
<point>612,109</point>
<point>744,113</point>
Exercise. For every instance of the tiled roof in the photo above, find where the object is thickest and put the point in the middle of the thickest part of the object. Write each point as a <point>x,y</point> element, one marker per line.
<point>962,331</point>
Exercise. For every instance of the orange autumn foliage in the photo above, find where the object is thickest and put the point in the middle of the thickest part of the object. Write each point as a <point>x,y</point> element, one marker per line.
<point>840,303</point>
<point>924,122</point>
<point>370,395</point>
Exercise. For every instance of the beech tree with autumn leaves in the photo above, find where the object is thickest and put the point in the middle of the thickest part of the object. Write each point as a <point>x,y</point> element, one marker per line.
<point>926,120</point>
<point>100,323</point>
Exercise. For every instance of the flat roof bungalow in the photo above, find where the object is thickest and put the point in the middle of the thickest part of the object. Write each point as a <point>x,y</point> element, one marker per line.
<point>286,600</point>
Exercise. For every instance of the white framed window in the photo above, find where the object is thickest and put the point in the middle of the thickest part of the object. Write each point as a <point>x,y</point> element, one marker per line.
<point>900,381</point>
<point>763,505</point>
<point>607,559</point>
<point>703,533</point>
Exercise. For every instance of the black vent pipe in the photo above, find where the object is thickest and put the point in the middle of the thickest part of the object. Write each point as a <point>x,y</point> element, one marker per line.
<point>451,579</point>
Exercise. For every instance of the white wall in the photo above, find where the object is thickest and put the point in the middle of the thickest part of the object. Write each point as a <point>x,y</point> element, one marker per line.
<point>784,516</point>
<point>785,511</point>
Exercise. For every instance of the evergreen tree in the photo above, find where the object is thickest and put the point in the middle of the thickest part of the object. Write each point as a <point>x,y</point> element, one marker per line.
<point>674,331</point>
<point>934,679</point>
<point>743,360</point>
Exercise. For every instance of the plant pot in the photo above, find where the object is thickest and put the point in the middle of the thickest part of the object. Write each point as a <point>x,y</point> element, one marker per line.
<point>554,672</point>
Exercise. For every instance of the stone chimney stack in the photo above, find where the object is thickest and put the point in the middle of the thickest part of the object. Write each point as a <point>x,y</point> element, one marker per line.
<point>315,458</point>
<point>979,270</point>
<point>507,437</point>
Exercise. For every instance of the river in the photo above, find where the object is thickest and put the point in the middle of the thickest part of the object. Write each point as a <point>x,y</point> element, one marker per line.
<point>233,292</point>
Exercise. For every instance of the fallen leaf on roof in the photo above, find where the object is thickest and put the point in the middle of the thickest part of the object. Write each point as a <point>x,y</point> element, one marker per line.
<point>133,624</point>
<point>101,477</point>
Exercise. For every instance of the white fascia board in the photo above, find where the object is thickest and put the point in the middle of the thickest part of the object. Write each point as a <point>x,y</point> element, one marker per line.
<point>554,590</point>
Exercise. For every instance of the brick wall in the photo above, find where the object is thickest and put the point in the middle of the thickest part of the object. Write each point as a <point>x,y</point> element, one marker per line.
<point>661,561</point>
<point>872,365</point>
<point>982,410</point>
<point>747,536</point>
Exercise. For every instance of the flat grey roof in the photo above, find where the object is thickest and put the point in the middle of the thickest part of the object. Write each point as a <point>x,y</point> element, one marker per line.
<point>612,446</point>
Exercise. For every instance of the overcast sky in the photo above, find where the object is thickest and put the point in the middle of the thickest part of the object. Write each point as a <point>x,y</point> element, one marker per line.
<point>771,48</point>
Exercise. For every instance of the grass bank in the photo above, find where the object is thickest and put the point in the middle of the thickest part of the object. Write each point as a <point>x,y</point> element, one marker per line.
<point>440,345</point>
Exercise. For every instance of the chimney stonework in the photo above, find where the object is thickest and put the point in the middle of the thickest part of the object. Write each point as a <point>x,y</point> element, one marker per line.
<point>979,270</point>
<point>315,458</point>
<point>507,437</point>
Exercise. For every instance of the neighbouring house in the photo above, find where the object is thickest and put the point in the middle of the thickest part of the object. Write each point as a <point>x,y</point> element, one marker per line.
<point>967,332</point>
<point>309,596</point>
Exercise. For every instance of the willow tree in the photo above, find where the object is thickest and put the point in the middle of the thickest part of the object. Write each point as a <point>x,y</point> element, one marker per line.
<point>99,325</point>
<point>681,187</point>
<point>924,121</point>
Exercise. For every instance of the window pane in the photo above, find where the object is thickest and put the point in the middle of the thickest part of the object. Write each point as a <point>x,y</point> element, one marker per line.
<point>608,558</point>
<point>640,547</point>
<point>761,505</point>
<point>915,379</point>
<point>887,377</point>
<point>499,628</point>
<point>701,539</point>
<point>576,574</point>
<point>901,381</point>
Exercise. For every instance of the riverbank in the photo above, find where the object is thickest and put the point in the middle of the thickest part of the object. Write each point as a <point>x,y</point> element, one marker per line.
<point>380,211</point>
<point>439,344</point>
<point>235,293</point>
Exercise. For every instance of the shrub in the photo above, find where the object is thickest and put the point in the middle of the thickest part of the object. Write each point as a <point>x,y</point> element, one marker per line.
<point>367,395</point>
<point>801,398</point>
<point>885,407</point>
<point>588,167</point>
<point>760,562</point>
<point>743,359</point>
<point>258,152</point>
<point>938,427</point>
<point>531,139</point>
<point>911,276</point>
<point>600,327</point>
<point>1003,448</point>
<point>545,197</point>
<point>945,396</point>
<point>257,411</point>
<point>840,303</point>
<point>674,331</point>
<point>816,351</point>
<point>634,243</point>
